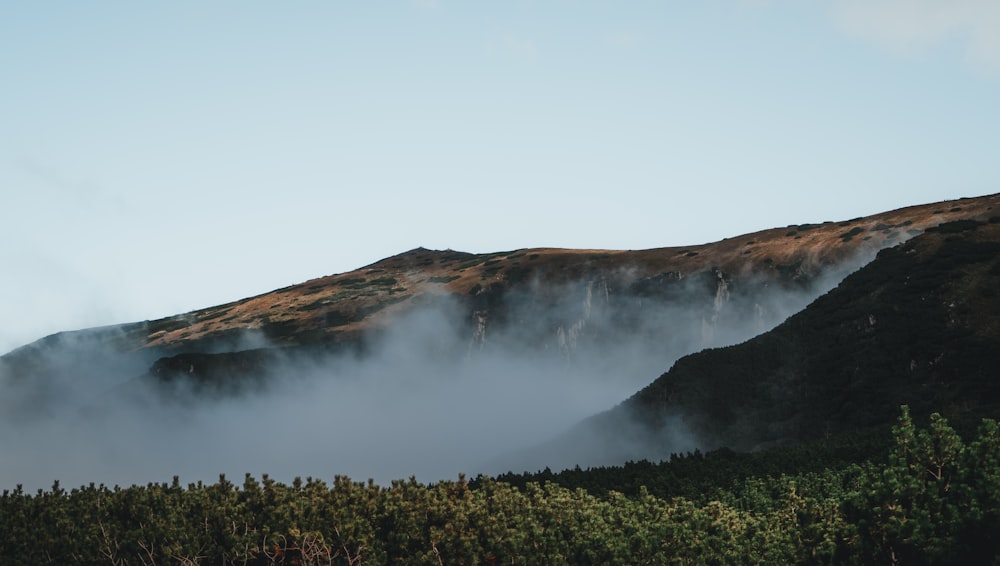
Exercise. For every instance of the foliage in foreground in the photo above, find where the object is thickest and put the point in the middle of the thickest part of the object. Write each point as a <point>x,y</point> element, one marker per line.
<point>933,501</point>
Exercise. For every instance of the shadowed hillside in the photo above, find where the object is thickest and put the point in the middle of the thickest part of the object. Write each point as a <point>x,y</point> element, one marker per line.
<point>917,326</point>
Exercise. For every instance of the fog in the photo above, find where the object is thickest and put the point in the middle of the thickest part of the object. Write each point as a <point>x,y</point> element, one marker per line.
<point>429,397</point>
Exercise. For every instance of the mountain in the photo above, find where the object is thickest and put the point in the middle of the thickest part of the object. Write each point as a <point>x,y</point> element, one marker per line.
<point>917,326</point>
<point>442,358</point>
<point>549,292</point>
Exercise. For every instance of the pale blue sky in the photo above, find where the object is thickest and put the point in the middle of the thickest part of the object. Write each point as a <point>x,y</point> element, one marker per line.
<point>161,157</point>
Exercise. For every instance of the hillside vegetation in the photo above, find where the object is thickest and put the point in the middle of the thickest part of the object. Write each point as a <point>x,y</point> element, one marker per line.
<point>932,499</point>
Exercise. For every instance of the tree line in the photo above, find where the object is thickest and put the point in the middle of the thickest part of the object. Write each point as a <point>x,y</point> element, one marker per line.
<point>930,497</point>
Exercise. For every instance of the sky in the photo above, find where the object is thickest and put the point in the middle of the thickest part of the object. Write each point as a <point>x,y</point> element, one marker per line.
<point>157,158</point>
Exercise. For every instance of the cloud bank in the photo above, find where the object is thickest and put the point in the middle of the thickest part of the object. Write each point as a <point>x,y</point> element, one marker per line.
<point>431,396</point>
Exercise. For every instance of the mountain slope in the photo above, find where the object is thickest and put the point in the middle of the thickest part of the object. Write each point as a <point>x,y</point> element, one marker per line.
<point>334,307</point>
<point>431,362</point>
<point>547,295</point>
<point>917,326</point>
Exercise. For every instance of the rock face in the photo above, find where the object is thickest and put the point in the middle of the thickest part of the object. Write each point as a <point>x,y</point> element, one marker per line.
<point>553,301</point>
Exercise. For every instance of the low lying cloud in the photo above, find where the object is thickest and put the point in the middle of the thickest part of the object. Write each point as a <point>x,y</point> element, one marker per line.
<point>432,396</point>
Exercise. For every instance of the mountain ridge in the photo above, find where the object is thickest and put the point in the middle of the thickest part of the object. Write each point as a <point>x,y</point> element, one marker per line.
<point>721,281</point>
<point>341,306</point>
<point>544,336</point>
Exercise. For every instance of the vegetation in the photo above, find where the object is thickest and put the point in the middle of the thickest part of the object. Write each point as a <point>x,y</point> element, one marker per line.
<point>932,499</point>
<point>846,236</point>
<point>516,274</point>
<point>914,327</point>
<point>352,281</point>
<point>490,272</point>
<point>469,264</point>
<point>696,476</point>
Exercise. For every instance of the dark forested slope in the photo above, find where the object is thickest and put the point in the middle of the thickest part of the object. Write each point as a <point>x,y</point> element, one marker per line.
<point>917,326</point>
